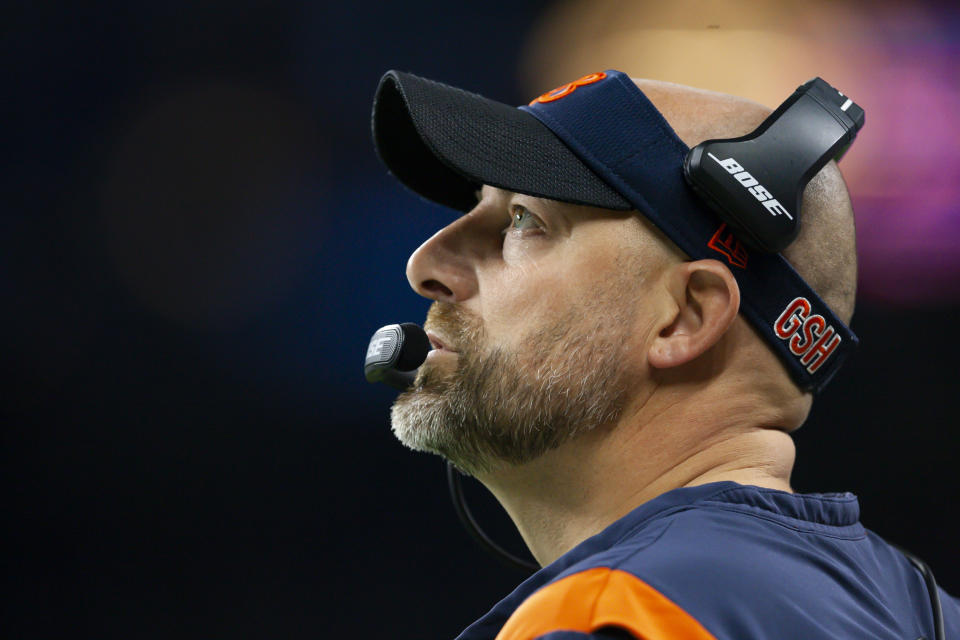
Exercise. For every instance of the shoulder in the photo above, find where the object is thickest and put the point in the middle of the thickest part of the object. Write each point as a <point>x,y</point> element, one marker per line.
<point>597,598</point>
<point>613,589</point>
<point>690,576</point>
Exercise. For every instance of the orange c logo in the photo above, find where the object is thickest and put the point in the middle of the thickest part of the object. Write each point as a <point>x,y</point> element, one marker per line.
<point>570,87</point>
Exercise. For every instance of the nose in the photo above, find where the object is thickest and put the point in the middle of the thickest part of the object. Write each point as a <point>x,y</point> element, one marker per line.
<point>444,267</point>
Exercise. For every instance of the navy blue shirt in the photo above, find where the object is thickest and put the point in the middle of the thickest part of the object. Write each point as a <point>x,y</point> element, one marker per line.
<point>724,561</point>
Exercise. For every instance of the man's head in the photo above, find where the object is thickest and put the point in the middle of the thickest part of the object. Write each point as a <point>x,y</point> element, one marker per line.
<point>567,319</point>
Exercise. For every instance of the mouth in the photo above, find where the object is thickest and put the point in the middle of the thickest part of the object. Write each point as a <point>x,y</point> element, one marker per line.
<point>438,343</point>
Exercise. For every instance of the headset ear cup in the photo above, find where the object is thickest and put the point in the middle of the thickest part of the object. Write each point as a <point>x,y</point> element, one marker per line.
<point>755,182</point>
<point>742,200</point>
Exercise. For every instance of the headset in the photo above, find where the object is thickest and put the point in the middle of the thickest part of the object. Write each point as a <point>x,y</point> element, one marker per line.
<point>812,126</point>
<point>737,178</point>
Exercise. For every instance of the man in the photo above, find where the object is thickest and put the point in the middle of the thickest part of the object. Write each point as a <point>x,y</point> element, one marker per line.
<point>605,385</point>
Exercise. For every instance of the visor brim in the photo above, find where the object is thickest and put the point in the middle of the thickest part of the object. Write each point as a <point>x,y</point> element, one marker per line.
<point>443,143</point>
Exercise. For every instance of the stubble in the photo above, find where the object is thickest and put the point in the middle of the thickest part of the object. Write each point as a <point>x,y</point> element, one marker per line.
<point>500,406</point>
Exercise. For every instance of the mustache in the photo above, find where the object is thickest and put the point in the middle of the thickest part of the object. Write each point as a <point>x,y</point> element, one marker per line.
<point>454,323</point>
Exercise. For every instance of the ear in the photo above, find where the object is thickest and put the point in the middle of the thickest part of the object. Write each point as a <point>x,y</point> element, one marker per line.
<point>706,300</point>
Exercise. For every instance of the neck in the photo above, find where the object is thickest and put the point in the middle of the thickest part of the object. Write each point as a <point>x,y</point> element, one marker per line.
<point>583,486</point>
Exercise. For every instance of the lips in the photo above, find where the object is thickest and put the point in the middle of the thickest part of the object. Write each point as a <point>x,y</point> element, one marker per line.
<point>439,343</point>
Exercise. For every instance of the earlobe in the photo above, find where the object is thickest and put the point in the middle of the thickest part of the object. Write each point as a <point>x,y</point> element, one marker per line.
<point>707,299</point>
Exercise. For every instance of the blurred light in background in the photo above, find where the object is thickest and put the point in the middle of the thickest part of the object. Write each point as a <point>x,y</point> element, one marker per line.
<point>897,60</point>
<point>209,202</point>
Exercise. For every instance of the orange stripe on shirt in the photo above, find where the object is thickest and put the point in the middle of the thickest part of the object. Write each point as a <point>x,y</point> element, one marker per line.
<point>598,598</point>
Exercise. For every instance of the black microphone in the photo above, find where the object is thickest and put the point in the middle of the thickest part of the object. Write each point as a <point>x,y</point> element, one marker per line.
<point>394,354</point>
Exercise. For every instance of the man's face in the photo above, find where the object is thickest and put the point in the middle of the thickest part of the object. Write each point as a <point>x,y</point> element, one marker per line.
<point>538,312</point>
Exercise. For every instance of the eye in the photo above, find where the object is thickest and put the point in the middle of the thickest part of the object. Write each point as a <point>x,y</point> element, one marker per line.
<point>521,219</point>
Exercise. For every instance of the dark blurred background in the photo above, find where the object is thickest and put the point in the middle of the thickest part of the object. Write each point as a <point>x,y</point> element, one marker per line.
<point>197,241</point>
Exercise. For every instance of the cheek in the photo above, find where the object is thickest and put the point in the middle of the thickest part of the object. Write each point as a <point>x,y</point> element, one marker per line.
<point>520,301</point>
<point>576,280</point>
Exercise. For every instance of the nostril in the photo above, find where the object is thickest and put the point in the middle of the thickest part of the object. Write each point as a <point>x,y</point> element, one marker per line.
<point>436,287</point>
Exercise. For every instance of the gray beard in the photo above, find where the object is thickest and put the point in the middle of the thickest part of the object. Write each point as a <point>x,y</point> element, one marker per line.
<point>498,407</point>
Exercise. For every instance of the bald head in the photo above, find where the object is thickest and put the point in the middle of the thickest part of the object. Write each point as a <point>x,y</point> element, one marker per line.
<point>824,253</point>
